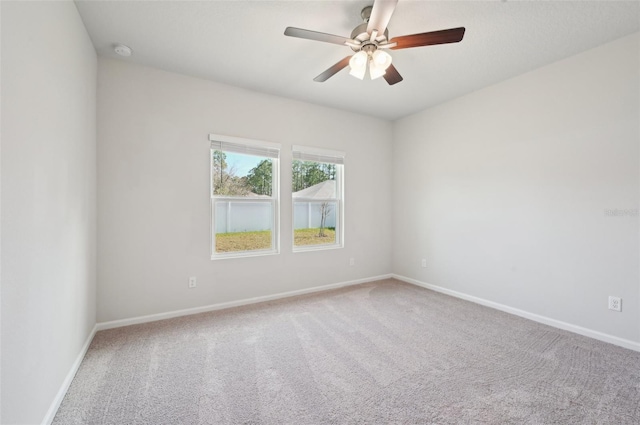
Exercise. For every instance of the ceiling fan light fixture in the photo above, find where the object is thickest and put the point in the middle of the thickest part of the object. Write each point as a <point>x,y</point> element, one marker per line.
<point>358,64</point>
<point>371,39</point>
<point>381,59</point>
<point>379,63</point>
<point>375,70</point>
<point>358,73</point>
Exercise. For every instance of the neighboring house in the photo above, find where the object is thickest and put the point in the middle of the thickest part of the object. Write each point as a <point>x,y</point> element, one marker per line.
<point>324,190</point>
<point>307,204</point>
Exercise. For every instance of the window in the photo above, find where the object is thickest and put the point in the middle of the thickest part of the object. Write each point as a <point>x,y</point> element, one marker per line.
<point>244,197</point>
<point>318,207</point>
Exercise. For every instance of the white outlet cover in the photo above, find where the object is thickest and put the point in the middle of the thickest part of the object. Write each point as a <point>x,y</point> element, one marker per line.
<point>615,303</point>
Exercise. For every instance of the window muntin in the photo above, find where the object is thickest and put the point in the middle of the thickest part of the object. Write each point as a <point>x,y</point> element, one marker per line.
<point>244,197</point>
<point>317,195</point>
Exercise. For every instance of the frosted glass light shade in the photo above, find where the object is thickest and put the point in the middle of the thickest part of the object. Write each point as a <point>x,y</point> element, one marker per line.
<point>358,64</point>
<point>381,59</point>
<point>376,71</point>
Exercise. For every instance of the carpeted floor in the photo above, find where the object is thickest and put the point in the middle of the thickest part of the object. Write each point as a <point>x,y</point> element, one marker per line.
<point>378,353</point>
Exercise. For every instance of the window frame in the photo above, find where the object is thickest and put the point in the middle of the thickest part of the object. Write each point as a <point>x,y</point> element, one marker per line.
<point>251,147</point>
<point>327,156</point>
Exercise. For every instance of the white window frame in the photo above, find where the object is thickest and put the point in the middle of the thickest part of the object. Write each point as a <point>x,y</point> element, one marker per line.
<point>252,147</point>
<point>306,153</point>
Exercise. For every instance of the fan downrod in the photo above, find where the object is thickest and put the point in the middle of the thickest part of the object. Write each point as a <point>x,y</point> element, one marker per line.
<point>366,13</point>
<point>360,32</point>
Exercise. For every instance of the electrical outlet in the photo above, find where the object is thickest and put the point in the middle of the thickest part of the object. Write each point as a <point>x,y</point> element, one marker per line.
<point>352,261</point>
<point>192,282</point>
<point>423,263</point>
<point>615,303</point>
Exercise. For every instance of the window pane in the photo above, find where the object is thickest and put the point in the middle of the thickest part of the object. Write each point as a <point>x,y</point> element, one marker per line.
<point>235,174</point>
<point>316,203</point>
<point>243,226</point>
<point>244,197</point>
<point>314,222</point>
<point>307,174</point>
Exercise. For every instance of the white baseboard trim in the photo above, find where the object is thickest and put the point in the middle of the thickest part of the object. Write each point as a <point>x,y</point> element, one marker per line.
<point>220,306</point>
<point>55,405</point>
<point>626,343</point>
<point>53,408</point>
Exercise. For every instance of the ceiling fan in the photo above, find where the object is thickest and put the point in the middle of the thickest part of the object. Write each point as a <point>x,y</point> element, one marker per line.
<point>370,40</point>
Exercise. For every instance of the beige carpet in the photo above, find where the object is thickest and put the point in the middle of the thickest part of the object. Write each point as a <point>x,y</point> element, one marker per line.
<point>378,353</point>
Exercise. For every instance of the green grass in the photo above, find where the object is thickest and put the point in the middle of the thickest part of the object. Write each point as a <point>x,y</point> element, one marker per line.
<point>251,241</point>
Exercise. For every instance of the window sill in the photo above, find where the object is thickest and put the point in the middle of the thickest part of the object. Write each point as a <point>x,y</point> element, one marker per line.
<point>244,254</point>
<point>311,248</point>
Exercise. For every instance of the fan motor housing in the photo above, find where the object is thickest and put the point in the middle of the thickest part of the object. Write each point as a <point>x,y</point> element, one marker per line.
<point>361,30</point>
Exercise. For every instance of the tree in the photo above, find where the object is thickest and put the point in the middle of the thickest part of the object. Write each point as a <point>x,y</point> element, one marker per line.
<point>219,169</point>
<point>310,173</point>
<point>325,209</point>
<point>259,178</point>
<point>297,183</point>
<point>225,181</point>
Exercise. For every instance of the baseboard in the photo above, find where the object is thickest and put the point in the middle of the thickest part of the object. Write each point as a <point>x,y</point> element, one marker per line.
<point>55,405</point>
<point>53,408</point>
<point>220,306</point>
<point>185,312</point>
<point>632,345</point>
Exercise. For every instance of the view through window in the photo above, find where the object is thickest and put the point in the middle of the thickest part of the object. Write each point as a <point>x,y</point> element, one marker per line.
<point>244,198</point>
<point>317,198</point>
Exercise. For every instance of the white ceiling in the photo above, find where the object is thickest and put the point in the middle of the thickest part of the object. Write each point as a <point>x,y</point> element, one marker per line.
<point>242,43</point>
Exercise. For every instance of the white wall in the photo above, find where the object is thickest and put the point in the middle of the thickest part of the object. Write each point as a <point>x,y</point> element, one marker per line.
<point>153,191</point>
<point>504,191</point>
<point>48,202</point>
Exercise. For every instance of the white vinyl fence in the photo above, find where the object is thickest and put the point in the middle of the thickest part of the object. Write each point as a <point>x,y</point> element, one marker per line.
<point>246,216</point>
<point>307,214</point>
<point>234,217</point>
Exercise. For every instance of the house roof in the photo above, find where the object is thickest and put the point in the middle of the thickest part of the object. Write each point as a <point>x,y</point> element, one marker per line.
<point>324,190</point>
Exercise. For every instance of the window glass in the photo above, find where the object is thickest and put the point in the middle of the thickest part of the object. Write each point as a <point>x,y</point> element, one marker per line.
<point>317,201</point>
<point>244,200</point>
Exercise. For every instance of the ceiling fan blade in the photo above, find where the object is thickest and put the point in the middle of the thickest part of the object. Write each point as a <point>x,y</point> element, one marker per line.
<point>392,75</point>
<point>452,35</point>
<point>380,15</point>
<point>314,35</point>
<point>332,70</point>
